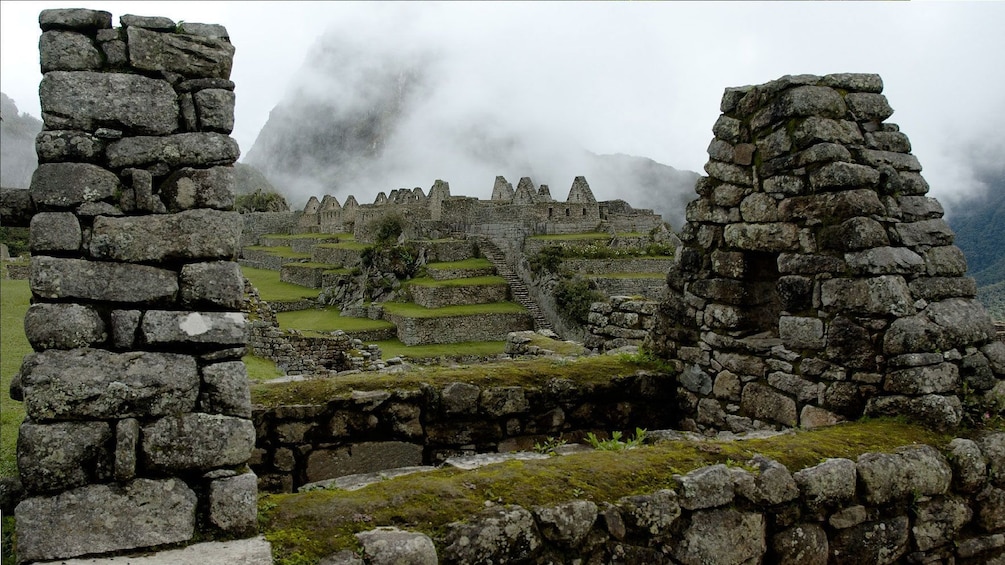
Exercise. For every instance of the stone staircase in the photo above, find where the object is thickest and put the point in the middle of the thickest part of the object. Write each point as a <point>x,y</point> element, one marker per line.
<point>517,287</point>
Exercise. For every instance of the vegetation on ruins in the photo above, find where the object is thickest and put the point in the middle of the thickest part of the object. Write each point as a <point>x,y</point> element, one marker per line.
<point>305,527</point>
<point>573,296</point>
<point>259,201</point>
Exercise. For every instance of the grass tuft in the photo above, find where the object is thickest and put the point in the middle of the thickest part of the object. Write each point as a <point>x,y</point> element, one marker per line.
<point>272,289</point>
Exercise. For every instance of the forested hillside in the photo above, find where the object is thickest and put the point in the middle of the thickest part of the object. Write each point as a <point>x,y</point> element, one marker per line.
<point>17,145</point>
<point>980,232</point>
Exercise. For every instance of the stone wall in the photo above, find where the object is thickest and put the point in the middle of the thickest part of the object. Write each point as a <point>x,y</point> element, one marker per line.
<point>138,426</point>
<point>650,287</point>
<point>608,266</point>
<point>621,321</point>
<point>376,430</point>
<point>440,296</point>
<point>916,505</point>
<point>454,329</point>
<point>257,224</point>
<point>297,354</point>
<point>816,280</point>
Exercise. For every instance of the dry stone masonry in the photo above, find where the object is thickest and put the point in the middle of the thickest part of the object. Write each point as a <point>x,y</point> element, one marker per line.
<point>138,428</point>
<point>817,281</point>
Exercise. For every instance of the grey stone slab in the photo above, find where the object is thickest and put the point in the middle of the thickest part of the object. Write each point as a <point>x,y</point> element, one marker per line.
<point>189,235</point>
<point>85,100</point>
<point>63,326</point>
<point>195,149</point>
<point>67,185</point>
<point>192,56</point>
<point>197,441</point>
<point>469,462</point>
<point>63,455</point>
<point>251,551</point>
<point>183,327</point>
<point>53,277</point>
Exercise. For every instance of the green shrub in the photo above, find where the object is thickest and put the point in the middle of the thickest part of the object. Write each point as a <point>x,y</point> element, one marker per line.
<point>574,296</point>
<point>387,229</point>
<point>260,201</point>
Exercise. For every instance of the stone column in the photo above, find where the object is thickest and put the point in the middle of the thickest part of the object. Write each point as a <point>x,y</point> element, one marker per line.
<point>138,427</point>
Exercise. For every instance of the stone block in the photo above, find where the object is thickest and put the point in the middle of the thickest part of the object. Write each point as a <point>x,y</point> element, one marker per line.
<point>944,377</point>
<point>772,485</point>
<point>727,172</point>
<point>801,333</point>
<point>54,231</point>
<point>911,471</point>
<point>769,237</point>
<point>568,523</point>
<point>989,511</point>
<point>804,390</point>
<point>854,234</point>
<point>913,334</point>
<point>763,403</point>
<point>502,401</point>
<point>937,411</point>
<point>215,107</point>
<point>67,51</point>
<point>963,321</point>
<point>206,328</point>
<point>193,234</point>
<point>946,261</point>
<point>888,141</point>
<point>885,261</point>
<point>196,441</point>
<point>727,129</point>
<point>898,161</point>
<point>815,129</point>
<point>832,207</point>
<point>53,277</point>
<point>784,184</point>
<point>856,82</point>
<point>124,326</point>
<point>365,457</point>
<point>195,149</point>
<point>842,175</point>
<point>809,264</point>
<point>127,441</point>
<point>226,390</point>
<point>993,447</point>
<point>98,384</point>
<point>802,544</point>
<point>938,521</point>
<point>80,19</point>
<point>199,188</point>
<point>233,503</point>
<point>217,283</point>
<point>917,208</point>
<point>968,464</point>
<point>882,295</point>
<point>63,326</point>
<point>930,233</point>
<point>706,487</point>
<point>882,542</point>
<point>86,100</point>
<point>191,56</point>
<point>52,457</point>
<point>505,534</point>
<point>868,106</point>
<point>115,53</point>
<point>105,518</point>
<point>390,545</point>
<point>822,153</point>
<point>67,185</point>
<point>650,514</point>
<point>827,485</point>
<point>722,536</point>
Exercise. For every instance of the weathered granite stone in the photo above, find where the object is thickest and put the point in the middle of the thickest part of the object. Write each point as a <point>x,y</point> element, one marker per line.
<point>882,542</point>
<point>784,184</point>
<point>885,261</point>
<point>84,100</point>
<point>938,288</point>
<point>53,277</point>
<point>105,518</point>
<point>854,234</point>
<point>933,233</point>
<point>968,464</point>
<point>883,159</point>
<point>993,447</point>
<point>828,484</point>
<point>80,19</point>
<point>127,440</point>
<point>942,412</point>
<point>505,534</point>
<point>944,377</point>
<point>52,457</point>
<point>188,55</point>
<point>822,153</point>
<point>695,379</point>
<point>199,188</point>
<point>814,417</point>
<point>54,232</point>
<point>722,536</point>
<point>913,334</point>
<point>98,384</point>
<point>193,234</point>
<point>500,401</point>
<point>196,441</point>
<point>233,503</point>
<point>705,488</point>
<point>226,390</point>
<point>63,326</point>
<point>391,546</point>
<point>801,333</point>
<point>911,471</point>
<point>964,321</point>
<point>763,403</point>
<point>215,31</point>
<point>363,457</point>
<point>882,295</point>
<point>976,545</point>
<point>568,523</point>
<point>653,513</point>
<point>208,328</point>
<point>868,106</point>
<point>995,354</point>
<point>460,398</point>
<point>727,129</point>
<point>67,185</point>
<point>938,521</point>
<point>976,372</point>
<point>843,175</point>
<point>772,237</point>
<point>124,326</point>
<point>802,544</point>
<point>67,51</point>
<point>215,108</point>
<point>989,514</point>
<point>772,485</point>
<point>344,557</point>
<point>195,149</point>
<point>157,23</point>
<point>217,283</point>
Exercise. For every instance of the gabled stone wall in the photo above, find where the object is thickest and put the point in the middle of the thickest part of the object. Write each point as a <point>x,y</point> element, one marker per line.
<point>138,427</point>
<point>817,281</point>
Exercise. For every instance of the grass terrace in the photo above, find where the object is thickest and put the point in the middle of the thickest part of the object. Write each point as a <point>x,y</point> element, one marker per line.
<point>490,280</point>
<point>394,348</point>
<point>351,244</point>
<point>473,263</point>
<point>272,289</point>
<point>327,320</point>
<point>412,310</point>
<point>284,252</point>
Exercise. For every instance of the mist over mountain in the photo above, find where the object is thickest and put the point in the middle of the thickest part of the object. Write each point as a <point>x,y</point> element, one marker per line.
<point>17,145</point>
<point>362,117</point>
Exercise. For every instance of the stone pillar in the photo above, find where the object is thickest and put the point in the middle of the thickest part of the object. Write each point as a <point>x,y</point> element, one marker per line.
<point>817,281</point>
<point>138,427</point>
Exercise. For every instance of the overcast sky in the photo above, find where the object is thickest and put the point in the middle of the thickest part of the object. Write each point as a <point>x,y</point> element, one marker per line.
<point>638,78</point>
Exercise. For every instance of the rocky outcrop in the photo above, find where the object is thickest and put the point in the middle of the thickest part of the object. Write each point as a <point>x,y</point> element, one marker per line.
<point>138,427</point>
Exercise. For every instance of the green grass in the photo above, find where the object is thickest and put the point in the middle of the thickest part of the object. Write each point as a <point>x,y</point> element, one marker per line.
<point>260,368</point>
<point>473,263</point>
<point>571,236</point>
<point>314,524</point>
<point>339,236</point>
<point>394,348</point>
<point>489,280</point>
<point>284,252</point>
<point>14,297</point>
<point>412,310</point>
<point>327,320</point>
<point>274,290</point>
<point>309,265</point>
<point>353,245</point>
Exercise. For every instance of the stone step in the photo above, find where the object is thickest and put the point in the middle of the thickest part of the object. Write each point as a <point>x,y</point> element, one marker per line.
<point>252,551</point>
<point>517,287</point>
